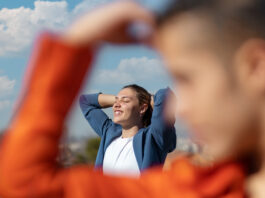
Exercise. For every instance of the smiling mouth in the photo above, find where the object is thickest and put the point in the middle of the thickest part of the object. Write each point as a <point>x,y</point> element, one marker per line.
<point>117,112</point>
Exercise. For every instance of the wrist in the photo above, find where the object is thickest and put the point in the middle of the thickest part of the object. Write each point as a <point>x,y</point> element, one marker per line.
<point>76,38</point>
<point>106,100</point>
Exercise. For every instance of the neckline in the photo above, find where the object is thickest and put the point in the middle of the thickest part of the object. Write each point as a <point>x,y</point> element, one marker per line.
<point>127,138</point>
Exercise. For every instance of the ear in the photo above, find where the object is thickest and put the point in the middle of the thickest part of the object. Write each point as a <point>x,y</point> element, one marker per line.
<point>250,63</point>
<point>143,108</point>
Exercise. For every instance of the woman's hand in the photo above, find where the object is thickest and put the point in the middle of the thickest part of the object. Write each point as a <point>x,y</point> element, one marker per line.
<point>109,23</point>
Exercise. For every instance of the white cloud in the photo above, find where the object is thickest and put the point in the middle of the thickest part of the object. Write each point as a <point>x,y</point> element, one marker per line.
<point>6,85</point>
<point>4,104</point>
<point>132,70</point>
<point>18,26</point>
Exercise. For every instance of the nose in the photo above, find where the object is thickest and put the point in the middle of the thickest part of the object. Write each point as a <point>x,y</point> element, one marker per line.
<point>117,104</point>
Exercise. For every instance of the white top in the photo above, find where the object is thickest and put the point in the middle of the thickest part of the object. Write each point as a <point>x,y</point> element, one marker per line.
<point>119,158</point>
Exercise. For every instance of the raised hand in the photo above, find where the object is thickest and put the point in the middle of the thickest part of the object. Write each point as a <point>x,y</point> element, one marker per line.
<point>109,23</point>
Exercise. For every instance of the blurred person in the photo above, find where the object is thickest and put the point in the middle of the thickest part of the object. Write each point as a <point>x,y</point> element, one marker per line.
<point>214,51</point>
<point>138,137</point>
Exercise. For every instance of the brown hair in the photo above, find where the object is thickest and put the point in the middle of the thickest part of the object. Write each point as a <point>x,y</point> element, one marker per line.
<point>144,98</point>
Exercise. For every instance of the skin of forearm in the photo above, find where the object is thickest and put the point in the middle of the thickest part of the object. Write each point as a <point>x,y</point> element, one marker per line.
<point>106,100</point>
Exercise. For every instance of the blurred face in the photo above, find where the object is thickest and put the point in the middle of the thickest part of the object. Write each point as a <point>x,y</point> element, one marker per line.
<point>126,109</point>
<point>213,102</point>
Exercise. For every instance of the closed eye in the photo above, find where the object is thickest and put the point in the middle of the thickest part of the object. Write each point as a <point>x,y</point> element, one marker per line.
<point>123,99</point>
<point>126,100</point>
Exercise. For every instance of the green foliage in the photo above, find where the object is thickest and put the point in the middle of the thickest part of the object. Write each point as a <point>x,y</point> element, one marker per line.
<point>90,153</point>
<point>92,149</point>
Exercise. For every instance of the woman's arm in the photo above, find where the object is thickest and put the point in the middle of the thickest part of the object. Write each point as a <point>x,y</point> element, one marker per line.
<point>91,106</point>
<point>162,124</point>
<point>94,114</point>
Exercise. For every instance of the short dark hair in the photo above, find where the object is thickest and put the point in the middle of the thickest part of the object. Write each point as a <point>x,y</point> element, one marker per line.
<point>241,18</point>
<point>144,98</point>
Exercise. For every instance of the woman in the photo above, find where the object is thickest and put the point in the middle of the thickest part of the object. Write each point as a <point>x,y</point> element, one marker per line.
<point>138,137</point>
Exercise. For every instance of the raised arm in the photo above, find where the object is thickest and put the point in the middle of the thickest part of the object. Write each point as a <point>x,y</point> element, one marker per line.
<point>28,153</point>
<point>91,106</point>
<point>162,127</point>
<point>28,167</point>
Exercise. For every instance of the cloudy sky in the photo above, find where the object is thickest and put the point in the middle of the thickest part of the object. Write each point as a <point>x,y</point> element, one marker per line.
<point>22,21</point>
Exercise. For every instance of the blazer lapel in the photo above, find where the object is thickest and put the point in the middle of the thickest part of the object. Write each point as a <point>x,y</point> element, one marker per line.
<point>138,147</point>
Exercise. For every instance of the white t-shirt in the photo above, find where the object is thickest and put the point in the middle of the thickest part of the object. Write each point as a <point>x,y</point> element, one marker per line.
<point>119,158</point>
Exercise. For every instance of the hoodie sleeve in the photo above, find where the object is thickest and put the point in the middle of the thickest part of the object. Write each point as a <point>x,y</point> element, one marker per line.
<point>28,152</point>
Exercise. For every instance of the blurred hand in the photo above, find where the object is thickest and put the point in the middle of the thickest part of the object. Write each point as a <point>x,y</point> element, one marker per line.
<point>255,185</point>
<point>170,111</point>
<point>109,23</point>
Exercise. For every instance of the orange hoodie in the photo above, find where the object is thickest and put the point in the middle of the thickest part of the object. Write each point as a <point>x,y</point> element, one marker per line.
<point>28,166</point>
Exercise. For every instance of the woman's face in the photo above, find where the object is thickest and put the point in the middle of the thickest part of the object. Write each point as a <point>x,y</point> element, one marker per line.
<point>126,109</point>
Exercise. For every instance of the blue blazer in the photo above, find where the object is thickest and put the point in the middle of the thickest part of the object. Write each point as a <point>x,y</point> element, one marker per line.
<point>150,144</point>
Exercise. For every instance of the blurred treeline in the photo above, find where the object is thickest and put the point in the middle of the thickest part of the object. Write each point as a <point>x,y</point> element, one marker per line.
<point>79,152</point>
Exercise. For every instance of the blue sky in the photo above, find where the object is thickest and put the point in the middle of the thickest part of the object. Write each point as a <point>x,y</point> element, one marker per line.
<point>115,66</point>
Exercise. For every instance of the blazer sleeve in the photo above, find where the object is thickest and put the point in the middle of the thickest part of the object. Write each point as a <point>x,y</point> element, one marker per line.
<point>163,132</point>
<point>93,113</point>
